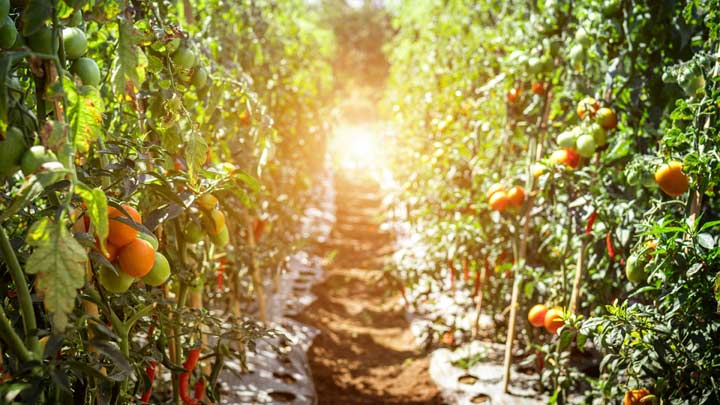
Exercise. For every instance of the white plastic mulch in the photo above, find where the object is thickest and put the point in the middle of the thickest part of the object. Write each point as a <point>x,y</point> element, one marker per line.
<point>436,303</point>
<point>282,375</point>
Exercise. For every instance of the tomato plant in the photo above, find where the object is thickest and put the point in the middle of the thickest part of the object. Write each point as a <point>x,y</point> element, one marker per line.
<point>130,131</point>
<point>615,144</point>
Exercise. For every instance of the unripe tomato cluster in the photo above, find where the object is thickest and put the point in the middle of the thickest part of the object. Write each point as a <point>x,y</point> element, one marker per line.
<point>585,139</point>
<point>132,252</point>
<point>213,223</point>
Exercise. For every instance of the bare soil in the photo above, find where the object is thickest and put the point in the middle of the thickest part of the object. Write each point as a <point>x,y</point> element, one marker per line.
<point>365,353</point>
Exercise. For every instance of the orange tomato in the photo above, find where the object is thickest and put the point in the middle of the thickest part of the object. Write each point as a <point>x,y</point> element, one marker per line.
<point>120,233</point>
<point>513,95</point>
<point>137,258</point>
<point>538,88</point>
<point>634,397</point>
<point>671,179</point>
<point>516,195</point>
<point>553,319</point>
<point>112,250</point>
<point>499,201</point>
<point>536,315</point>
<point>494,189</point>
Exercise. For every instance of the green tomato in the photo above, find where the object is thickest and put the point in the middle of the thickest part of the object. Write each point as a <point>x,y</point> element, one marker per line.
<point>577,55</point>
<point>35,157</point>
<point>222,238</point>
<point>691,82</point>
<point>567,139</point>
<point>4,8</point>
<point>159,273</point>
<point>194,232</point>
<point>199,78</point>
<point>635,268</point>
<point>87,70</point>
<point>115,282</point>
<point>582,37</point>
<point>598,134</point>
<point>585,145</point>
<point>8,33</point>
<point>534,65</point>
<point>75,42</point>
<point>184,58</point>
<point>11,151</point>
<point>151,239</point>
<point>42,41</point>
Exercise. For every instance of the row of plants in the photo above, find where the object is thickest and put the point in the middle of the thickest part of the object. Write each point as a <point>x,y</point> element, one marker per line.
<point>155,159</point>
<point>563,165</point>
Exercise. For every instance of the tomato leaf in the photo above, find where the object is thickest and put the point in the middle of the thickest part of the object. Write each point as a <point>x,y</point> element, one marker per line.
<point>195,151</point>
<point>131,61</point>
<point>97,210</point>
<point>59,262</point>
<point>85,109</point>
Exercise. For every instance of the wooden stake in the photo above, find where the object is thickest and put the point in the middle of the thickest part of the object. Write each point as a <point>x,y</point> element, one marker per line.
<point>534,149</point>
<point>579,270</point>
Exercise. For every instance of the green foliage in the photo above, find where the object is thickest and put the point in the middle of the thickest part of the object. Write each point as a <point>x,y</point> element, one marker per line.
<point>58,261</point>
<point>462,95</point>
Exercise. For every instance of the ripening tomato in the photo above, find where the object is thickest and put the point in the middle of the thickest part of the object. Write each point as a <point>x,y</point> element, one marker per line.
<point>587,107</point>
<point>499,201</point>
<point>513,95</point>
<point>494,189</point>
<point>516,196</point>
<point>207,202</point>
<point>553,319</point>
<point>635,397</point>
<point>538,88</point>
<point>567,157</point>
<point>536,315</point>
<point>606,118</point>
<point>159,273</point>
<point>671,179</point>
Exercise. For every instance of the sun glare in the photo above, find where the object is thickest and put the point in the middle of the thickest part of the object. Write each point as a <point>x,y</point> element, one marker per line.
<point>357,147</point>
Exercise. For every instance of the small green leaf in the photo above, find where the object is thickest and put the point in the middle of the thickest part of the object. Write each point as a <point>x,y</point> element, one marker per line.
<point>59,262</point>
<point>565,338</point>
<point>581,339</point>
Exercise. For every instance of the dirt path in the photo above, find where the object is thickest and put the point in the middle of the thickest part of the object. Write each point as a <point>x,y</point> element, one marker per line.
<point>365,353</point>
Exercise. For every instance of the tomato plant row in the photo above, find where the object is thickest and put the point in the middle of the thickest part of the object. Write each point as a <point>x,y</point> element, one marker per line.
<point>568,157</point>
<point>154,159</point>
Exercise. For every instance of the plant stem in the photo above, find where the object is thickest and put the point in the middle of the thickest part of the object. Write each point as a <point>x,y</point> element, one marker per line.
<point>11,338</point>
<point>23,294</point>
